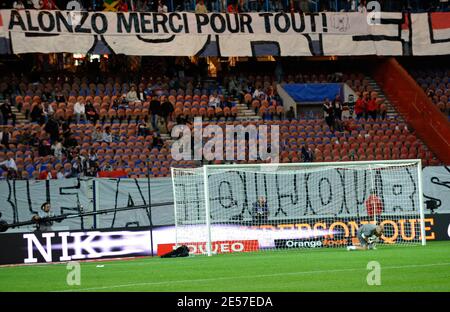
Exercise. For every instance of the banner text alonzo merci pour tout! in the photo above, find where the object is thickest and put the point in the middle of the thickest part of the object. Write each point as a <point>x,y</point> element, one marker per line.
<point>162,23</point>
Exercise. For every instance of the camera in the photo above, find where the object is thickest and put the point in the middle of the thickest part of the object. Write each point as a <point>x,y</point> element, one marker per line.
<point>3,224</point>
<point>432,205</point>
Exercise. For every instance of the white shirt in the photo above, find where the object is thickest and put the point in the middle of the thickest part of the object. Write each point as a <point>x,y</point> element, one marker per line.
<point>257,93</point>
<point>78,108</point>
<point>49,110</point>
<point>214,101</point>
<point>132,96</point>
<point>10,163</point>
<point>60,175</point>
<point>162,8</point>
<point>107,137</point>
<point>18,5</point>
<point>57,149</point>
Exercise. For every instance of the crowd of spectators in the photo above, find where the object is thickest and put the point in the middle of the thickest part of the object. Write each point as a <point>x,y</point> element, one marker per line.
<point>52,144</point>
<point>231,6</point>
<point>57,152</point>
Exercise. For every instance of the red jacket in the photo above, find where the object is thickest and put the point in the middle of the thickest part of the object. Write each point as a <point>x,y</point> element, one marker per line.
<point>360,106</point>
<point>372,105</point>
<point>373,204</point>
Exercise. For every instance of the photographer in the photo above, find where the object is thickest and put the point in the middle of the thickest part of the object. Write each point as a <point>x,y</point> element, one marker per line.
<point>41,224</point>
<point>260,211</point>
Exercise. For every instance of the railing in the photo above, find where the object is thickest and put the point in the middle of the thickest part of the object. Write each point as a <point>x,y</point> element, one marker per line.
<point>414,105</point>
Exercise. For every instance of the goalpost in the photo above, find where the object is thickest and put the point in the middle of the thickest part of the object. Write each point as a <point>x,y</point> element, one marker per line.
<point>251,207</point>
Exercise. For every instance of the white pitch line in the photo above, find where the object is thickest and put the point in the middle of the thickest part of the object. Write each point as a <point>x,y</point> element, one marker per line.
<point>249,277</point>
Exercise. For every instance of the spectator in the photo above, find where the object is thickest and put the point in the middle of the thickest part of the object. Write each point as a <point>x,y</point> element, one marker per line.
<point>252,5</point>
<point>157,142</point>
<point>58,149</point>
<point>290,114</point>
<point>116,104</point>
<point>142,129</point>
<point>337,107</point>
<point>162,8</point>
<point>7,113</point>
<point>189,5</point>
<point>92,156</point>
<point>383,111</point>
<point>233,86</point>
<point>233,7</point>
<point>8,164</point>
<point>360,107</point>
<point>61,174</point>
<point>44,148</point>
<point>97,135</point>
<point>79,110</point>
<point>350,6</point>
<point>93,170</point>
<point>306,157</point>
<point>52,128</point>
<point>166,110</point>
<point>201,7</point>
<point>48,5</point>
<point>37,115</point>
<point>107,135</point>
<point>59,96</point>
<point>258,93</point>
<point>66,132</point>
<point>372,108</point>
<point>143,6</point>
<point>162,126</point>
<point>155,110</point>
<point>328,114</point>
<point>45,172</point>
<point>311,155</point>
<point>27,138</point>
<point>123,6</point>
<point>18,5</point>
<point>362,7</point>
<point>132,95</point>
<point>5,136</point>
<point>78,167</point>
<point>34,4</point>
<point>214,100</point>
<point>70,142</point>
<point>47,110</point>
<point>91,112</point>
<point>142,94</point>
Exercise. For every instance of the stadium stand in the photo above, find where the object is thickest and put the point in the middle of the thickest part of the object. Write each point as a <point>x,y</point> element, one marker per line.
<point>238,6</point>
<point>436,84</point>
<point>135,147</point>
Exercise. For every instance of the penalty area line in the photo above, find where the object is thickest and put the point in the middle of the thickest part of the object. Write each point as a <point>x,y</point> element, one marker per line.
<point>250,277</point>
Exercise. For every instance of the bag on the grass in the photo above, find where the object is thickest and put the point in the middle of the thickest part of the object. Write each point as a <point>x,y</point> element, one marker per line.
<point>182,251</point>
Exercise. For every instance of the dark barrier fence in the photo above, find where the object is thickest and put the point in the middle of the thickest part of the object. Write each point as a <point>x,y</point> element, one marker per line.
<point>45,247</point>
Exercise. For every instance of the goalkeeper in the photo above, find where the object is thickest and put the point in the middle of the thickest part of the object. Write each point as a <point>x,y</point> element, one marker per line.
<point>367,235</point>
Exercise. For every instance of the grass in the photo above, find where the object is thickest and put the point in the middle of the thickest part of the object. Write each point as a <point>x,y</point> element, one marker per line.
<point>413,268</point>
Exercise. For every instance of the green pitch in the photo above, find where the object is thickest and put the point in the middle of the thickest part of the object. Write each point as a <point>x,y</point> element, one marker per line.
<point>402,269</point>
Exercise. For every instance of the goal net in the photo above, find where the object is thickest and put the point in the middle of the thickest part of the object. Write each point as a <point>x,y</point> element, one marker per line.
<point>236,208</point>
